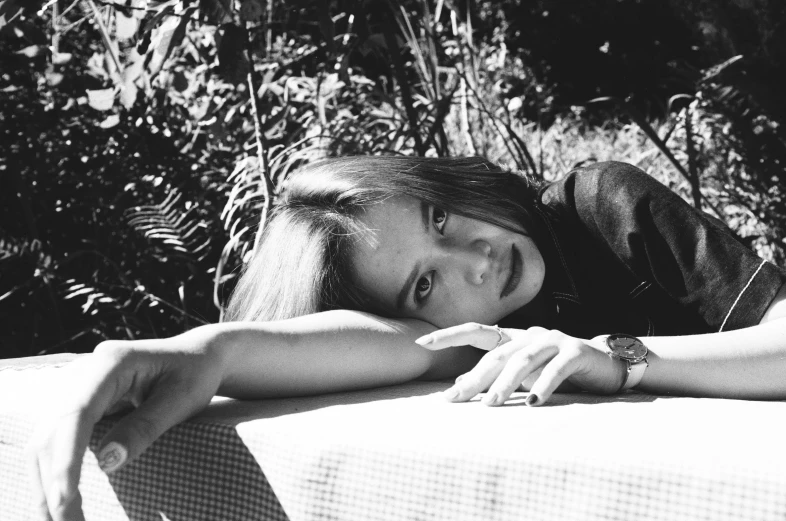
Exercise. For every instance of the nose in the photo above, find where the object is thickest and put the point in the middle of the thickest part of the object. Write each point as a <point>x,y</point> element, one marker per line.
<point>473,260</point>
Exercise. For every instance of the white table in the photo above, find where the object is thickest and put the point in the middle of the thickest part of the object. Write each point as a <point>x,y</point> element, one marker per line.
<point>404,453</point>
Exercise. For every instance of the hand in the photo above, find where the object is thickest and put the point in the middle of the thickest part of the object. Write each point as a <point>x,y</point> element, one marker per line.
<point>166,380</point>
<point>535,358</point>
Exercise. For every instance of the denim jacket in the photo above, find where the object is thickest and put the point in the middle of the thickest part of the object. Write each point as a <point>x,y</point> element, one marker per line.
<point>625,254</point>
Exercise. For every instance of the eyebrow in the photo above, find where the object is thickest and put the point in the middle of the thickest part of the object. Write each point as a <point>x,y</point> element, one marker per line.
<point>405,289</point>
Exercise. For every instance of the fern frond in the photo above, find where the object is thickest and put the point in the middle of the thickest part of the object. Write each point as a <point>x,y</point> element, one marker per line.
<point>95,300</point>
<point>171,231</point>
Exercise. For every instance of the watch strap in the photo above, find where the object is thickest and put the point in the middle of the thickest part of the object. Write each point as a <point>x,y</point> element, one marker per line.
<point>634,374</point>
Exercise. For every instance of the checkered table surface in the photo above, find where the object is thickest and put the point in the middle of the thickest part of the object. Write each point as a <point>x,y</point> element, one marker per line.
<point>403,453</point>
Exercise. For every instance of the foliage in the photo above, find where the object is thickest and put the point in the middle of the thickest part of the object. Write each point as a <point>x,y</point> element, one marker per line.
<point>147,140</point>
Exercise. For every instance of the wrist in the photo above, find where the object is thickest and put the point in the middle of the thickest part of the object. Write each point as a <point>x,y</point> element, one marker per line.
<point>213,341</point>
<point>239,350</point>
<point>632,355</point>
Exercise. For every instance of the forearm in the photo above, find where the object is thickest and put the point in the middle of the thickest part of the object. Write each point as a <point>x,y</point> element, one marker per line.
<point>326,352</point>
<point>745,363</point>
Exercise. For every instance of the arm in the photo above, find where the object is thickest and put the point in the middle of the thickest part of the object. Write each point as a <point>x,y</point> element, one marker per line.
<point>168,380</point>
<point>747,363</point>
<point>744,363</point>
<point>328,352</point>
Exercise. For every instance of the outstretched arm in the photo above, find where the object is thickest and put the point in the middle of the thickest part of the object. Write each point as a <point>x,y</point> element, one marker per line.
<point>169,380</point>
<point>748,363</point>
<point>329,352</point>
<point>744,363</point>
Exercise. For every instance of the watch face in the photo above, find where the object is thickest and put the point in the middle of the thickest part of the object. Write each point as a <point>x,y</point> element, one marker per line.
<point>626,347</point>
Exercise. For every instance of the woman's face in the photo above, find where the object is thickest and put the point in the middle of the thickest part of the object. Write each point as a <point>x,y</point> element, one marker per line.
<point>418,261</point>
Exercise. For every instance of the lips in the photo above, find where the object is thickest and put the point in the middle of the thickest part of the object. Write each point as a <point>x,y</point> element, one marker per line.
<point>516,269</point>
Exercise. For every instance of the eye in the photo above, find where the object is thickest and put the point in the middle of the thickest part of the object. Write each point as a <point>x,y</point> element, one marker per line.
<point>439,217</point>
<point>423,287</point>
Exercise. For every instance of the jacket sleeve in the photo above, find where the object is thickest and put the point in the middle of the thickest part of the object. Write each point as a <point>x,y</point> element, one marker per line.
<point>661,238</point>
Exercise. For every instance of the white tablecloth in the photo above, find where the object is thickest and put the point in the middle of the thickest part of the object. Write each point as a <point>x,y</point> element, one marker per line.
<point>404,453</point>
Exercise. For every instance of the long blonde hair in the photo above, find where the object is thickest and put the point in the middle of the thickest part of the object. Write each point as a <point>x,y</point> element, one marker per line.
<point>302,264</point>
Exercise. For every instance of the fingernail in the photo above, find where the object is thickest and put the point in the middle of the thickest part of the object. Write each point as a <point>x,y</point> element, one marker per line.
<point>531,400</point>
<point>459,378</point>
<point>451,394</point>
<point>425,339</point>
<point>490,399</point>
<point>112,456</point>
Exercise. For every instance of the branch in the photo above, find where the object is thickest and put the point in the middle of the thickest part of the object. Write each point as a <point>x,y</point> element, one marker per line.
<point>105,36</point>
<point>262,156</point>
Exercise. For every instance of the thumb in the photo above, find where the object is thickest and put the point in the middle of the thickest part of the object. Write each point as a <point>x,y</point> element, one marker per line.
<point>166,406</point>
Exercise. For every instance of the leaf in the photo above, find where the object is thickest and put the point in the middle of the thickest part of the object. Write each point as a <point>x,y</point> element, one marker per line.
<point>174,233</point>
<point>31,51</point>
<point>138,8</point>
<point>176,36</point>
<point>110,121</point>
<point>102,99</point>
<point>95,300</point>
<point>135,65</point>
<point>61,57</point>
<point>125,26</point>
<point>156,5</point>
<point>128,94</point>
<point>53,79</point>
<point>165,34</point>
<point>148,24</point>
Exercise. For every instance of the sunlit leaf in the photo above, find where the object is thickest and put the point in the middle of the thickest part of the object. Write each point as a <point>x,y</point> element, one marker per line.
<point>128,94</point>
<point>172,39</point>
<point>139,8</point>
<point>79,289</point>
<point>101,99</point>
<point>150,23</point>
<point>134,66</point>
<point>111,121</point>
<point>53,79</point>
<point>156,5</point>
<point>61,58</point>
<point>125,26</point>
<point>165,34</point>
<point>31,51</point>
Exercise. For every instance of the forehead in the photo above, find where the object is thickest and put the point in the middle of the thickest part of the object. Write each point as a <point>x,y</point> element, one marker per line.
<point>383,219</point>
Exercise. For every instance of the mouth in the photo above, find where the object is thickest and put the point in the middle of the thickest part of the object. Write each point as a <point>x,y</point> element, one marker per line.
<point>516,269</point>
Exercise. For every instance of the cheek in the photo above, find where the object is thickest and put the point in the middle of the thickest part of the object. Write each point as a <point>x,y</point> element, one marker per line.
<point>377,282</point>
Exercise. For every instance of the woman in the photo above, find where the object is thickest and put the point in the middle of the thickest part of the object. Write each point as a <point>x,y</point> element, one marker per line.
<point>372,267</point>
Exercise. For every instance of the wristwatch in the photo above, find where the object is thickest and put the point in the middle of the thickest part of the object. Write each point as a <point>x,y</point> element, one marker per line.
<point>631,350</point>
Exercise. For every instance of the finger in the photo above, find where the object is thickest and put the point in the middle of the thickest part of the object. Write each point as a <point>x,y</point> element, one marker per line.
<point>60,445</point>
<point>554,373</point>
<point>473,334</point>
<point>520,365</point>
<point>483,374</point>
<point>168,405</point>
<point>60,466</point>
<point>38,500</point>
